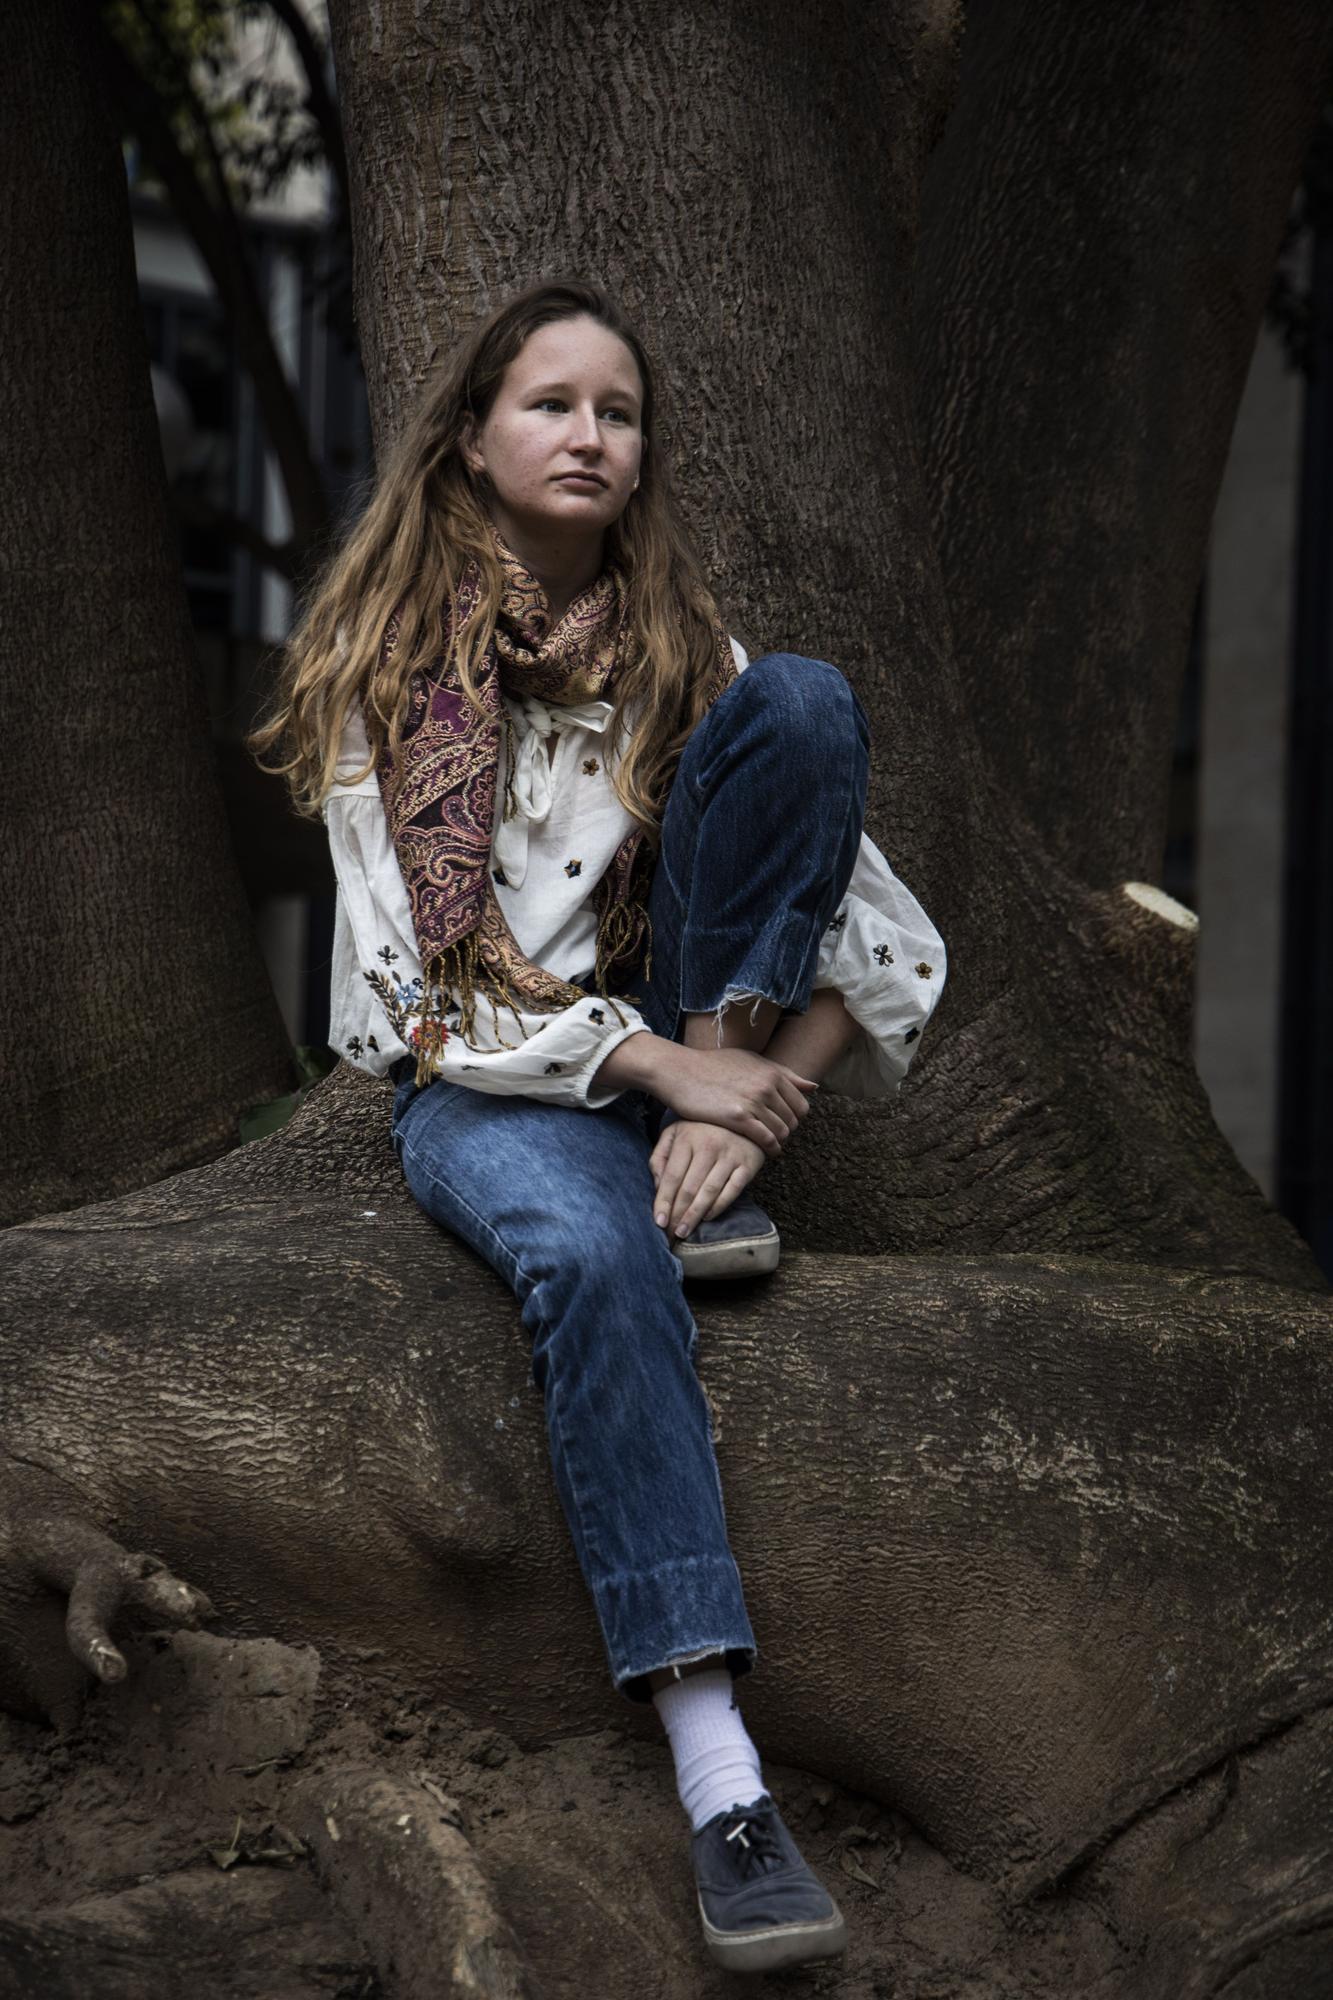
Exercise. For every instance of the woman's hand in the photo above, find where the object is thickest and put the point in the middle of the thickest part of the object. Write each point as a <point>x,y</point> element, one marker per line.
<point>699,1170</point>
<point>751,1096</point>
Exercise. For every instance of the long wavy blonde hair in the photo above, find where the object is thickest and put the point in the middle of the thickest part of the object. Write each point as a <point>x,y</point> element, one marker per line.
<point>425,518</point>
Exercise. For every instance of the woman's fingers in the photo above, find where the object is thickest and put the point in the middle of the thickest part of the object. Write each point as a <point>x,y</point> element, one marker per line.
<point>778,1126</point>
<point>661,1152</point>
<point>790,1099</point>
<point>709,1166</point>
<point>697,1195</point>
<point>737,1182</point>
<point>766,1123</point>
<point>784,1103</point>
<point>762,1134</point>
<point>692,1184</point>
<point>672,1174</point>
<point>783,1111</point>
<point>797,1092</point>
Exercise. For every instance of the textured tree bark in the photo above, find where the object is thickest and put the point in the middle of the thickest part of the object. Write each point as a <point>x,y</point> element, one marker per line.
<point>1029,1511</point>
<point>1099,227</point>
<point>1035,1547</point>
<point>138,1014</point>
<point>1055,1102</point>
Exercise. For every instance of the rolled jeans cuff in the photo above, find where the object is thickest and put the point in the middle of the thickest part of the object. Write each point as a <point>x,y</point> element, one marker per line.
<point>721,966</point>
<point>641,1618</point>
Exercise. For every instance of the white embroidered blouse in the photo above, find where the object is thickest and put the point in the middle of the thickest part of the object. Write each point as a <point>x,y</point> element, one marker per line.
<point>880,951</point>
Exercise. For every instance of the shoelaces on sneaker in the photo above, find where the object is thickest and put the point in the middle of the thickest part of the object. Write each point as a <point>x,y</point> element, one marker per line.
<point>754,1843</point>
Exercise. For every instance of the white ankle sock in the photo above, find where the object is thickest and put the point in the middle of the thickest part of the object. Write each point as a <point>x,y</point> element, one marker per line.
<point>717,1766</point>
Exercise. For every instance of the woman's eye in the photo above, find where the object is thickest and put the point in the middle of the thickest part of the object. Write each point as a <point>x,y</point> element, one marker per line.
<point>559,403</point>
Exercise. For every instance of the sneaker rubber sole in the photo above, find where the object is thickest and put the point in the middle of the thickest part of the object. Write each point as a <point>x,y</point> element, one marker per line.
<point>738,1257</point>
<point>770,1950</point>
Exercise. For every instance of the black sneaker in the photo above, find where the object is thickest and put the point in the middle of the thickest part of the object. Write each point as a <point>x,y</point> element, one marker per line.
<point>742,1242</point>
<point>762,1906</point>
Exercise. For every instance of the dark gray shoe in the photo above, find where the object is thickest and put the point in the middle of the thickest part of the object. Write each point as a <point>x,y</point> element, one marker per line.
<point>742,1242</point>
<point>761,1904</point>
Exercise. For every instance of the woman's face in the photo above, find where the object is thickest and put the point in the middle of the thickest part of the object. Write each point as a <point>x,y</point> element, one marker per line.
<point>571,401</point>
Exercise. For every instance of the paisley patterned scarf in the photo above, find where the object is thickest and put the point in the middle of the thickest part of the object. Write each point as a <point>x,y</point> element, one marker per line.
<point>439,797</point>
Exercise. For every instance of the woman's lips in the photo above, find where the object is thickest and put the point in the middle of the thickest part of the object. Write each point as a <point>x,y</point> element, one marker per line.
<point>580,479</point>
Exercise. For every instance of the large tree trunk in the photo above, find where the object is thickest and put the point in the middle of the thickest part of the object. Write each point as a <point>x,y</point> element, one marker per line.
<point>1055,1102</point>
<point>137,1009</point>
<point>1030,1514</point>
<point>1099,229</point>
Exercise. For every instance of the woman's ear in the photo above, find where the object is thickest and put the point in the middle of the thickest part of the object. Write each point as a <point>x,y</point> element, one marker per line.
<point>468,446</point>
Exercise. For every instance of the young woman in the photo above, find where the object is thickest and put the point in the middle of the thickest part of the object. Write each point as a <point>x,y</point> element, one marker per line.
<point>607,915</point>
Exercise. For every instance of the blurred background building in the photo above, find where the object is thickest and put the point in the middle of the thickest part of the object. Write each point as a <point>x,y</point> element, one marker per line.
<point>1250,842</point>
<point>230,487</point>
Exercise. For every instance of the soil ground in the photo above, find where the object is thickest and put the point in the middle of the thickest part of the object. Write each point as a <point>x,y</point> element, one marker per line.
<point>113,1841</point>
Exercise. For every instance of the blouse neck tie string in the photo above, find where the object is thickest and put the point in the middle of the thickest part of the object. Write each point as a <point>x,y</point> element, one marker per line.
<point>527,792</point>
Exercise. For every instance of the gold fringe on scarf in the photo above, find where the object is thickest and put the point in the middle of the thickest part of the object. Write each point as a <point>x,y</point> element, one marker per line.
<point>460,968</point>
<point>618,935</point>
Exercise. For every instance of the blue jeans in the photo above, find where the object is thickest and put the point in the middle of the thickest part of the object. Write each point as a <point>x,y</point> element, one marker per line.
<point>761,829</point>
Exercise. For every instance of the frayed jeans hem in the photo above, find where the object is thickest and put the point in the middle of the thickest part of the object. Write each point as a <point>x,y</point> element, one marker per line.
<point>681,1609</point>
<point>739,1660</point>
<point>779,967</point>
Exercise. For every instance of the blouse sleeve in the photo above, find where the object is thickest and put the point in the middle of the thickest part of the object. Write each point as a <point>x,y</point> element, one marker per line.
<point>375,986</point>
<point>883,954</point>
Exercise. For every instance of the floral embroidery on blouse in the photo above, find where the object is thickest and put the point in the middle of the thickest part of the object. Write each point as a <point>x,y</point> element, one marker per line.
<point>400,999</point>
<point>573,868</point>
<point>596,1014</point>
<point>924,969</point>
<point>837,922</point>
<point>883,956</point>
<point>590,765</point>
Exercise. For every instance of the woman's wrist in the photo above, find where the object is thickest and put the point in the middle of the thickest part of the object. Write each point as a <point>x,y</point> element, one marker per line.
<point>639,1062</point>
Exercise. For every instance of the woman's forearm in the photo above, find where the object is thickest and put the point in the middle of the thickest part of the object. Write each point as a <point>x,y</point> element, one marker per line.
<point>813,1041</point>
<point>636,1063</point>
<point>808,1043</point>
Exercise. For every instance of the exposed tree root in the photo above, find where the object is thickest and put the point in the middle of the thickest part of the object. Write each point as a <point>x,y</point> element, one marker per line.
<point>50,1549</point>
<point>393,1857</point>
<point>102,1581</point>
